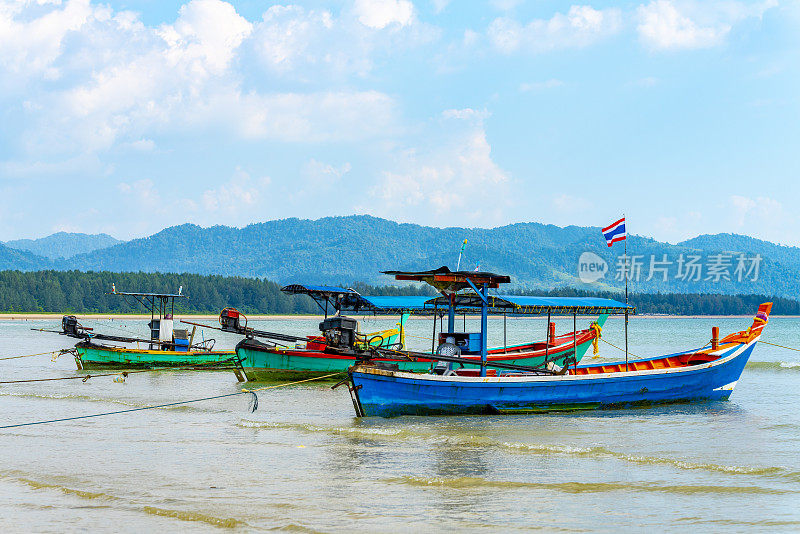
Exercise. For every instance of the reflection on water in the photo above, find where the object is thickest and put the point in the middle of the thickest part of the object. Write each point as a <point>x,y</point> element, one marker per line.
<point>303,462</point>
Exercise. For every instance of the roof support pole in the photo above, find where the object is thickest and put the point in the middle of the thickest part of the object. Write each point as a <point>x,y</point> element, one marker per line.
<point>484,328</point>
<point>574,339</point>
<point>547,338</point>
<point>505,339</point>
<point>626,339</point>
<point>451,314</point>
<point>433,338</point>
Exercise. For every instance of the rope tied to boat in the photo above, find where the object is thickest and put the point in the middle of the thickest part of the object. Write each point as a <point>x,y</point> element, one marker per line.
<point>253,404</point>
<point>620,348</point>
<point>59,352</point>
<point>779,346</point>
<point>598,332</point>
<point>254,400</point>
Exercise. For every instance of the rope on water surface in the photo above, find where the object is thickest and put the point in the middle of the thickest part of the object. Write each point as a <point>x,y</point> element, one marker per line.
<point>29,355</point>
<point>254,404</point>
<point>776,345</point>
<point>124,374</point>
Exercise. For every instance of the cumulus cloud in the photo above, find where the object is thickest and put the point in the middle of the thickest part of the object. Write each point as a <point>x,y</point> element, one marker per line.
<point>378,14</point>
<point>239,194</point>
<point>581,26</point>
<point>552,83</point>
<point>668,25</point>
<point>466,114</point>
<point>29,47</point>
<point>124,81</point>
<point>445,183</point>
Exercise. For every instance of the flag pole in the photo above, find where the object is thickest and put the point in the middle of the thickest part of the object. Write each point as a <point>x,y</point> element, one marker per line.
<point>627,267</point>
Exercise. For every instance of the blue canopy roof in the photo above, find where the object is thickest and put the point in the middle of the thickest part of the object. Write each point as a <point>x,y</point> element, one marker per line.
<point>528,305</point>
<point>393,303</point>
<point>304,289</point>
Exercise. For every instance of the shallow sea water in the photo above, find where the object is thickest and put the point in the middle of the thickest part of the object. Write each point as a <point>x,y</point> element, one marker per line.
<point>302,462</point>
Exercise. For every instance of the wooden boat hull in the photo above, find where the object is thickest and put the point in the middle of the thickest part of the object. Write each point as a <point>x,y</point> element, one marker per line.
<point>263,363</point>
<point>92,356</point>
<point>386,393</point>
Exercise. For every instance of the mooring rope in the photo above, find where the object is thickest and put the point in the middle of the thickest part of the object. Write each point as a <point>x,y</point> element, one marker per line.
<point>254,406</point>
<point>127,372</point>
<point>619,348</point>
<point>776,345</point>
<point>29,355</point>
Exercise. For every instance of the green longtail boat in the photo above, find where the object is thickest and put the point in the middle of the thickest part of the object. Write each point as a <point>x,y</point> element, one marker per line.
<point>166,346</point>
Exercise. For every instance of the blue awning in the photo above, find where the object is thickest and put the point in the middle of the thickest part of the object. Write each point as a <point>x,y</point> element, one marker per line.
<point>303,289</point>
<point>529,305</point>
<point>393,303</point>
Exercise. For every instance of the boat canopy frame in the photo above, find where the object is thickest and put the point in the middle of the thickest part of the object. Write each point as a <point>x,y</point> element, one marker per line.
<point>155,303</point>
<point>471,302</point>
<point>351,301</point>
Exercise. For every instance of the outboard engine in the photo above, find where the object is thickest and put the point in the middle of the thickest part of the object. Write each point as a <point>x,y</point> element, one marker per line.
<point>339,332</point>
<point>229,320</point>
<point>70,326</point>
<point>448,348</point>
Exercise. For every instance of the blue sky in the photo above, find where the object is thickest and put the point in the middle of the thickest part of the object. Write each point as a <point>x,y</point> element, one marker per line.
<point>127,117</point>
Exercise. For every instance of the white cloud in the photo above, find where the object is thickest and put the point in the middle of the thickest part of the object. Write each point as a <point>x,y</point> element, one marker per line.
<point>319,172</point>
<point>580,27</point>
<point>378,14</point>
<point>505,5</point>
<point>142,192</point>
<point>447,183</point>
<point>569,204</point>
<point>764,208</point>
<point>125,82</point>
<point>440,5</point>
<point>29,47</point>
<point>142,145</point>
<point>466,114</point>
<point>552,83</point>
<point>205,36</point>
<point>668,24</point>
<point>240,194</point>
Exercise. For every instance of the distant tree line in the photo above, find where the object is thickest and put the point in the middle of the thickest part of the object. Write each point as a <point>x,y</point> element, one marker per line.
<point>89,292</point>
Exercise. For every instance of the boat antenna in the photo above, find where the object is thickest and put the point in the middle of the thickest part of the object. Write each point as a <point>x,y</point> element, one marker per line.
<point>460,253</point>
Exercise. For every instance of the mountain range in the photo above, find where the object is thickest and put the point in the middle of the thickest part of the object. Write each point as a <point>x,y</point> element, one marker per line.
<point>345,250</point>
<point>62,245</point>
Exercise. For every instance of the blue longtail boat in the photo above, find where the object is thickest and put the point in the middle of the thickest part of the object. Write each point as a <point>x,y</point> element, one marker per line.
<point>707,373</point>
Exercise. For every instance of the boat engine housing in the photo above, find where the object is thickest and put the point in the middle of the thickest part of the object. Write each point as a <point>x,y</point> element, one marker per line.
<point>229,320</point>
<point>339,332</point>
<point>69,325</point>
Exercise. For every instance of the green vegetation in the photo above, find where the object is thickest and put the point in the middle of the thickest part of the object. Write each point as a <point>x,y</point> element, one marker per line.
<point>79,292</point>
<point>332,249</point>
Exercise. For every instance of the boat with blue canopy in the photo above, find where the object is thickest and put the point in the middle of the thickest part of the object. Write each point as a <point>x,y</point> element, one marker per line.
<point>270,356</point>
<point>706,373</point>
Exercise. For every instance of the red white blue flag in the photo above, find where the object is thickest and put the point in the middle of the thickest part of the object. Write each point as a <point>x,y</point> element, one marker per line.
<point>615,232</point>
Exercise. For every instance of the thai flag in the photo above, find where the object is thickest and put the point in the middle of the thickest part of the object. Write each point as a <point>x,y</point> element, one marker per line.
<point>615,232</point>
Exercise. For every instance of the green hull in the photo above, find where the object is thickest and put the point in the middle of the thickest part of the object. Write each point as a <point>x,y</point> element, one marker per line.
<point>267,365</point>
<point>96,356</point>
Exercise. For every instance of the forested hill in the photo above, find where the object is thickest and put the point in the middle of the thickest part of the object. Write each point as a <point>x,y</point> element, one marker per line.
<point>79,292</point>
<point>357,248</point>
<point>63,244</point>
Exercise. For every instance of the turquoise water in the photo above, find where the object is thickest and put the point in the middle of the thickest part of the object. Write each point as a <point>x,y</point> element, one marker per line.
<point>302,462</point>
